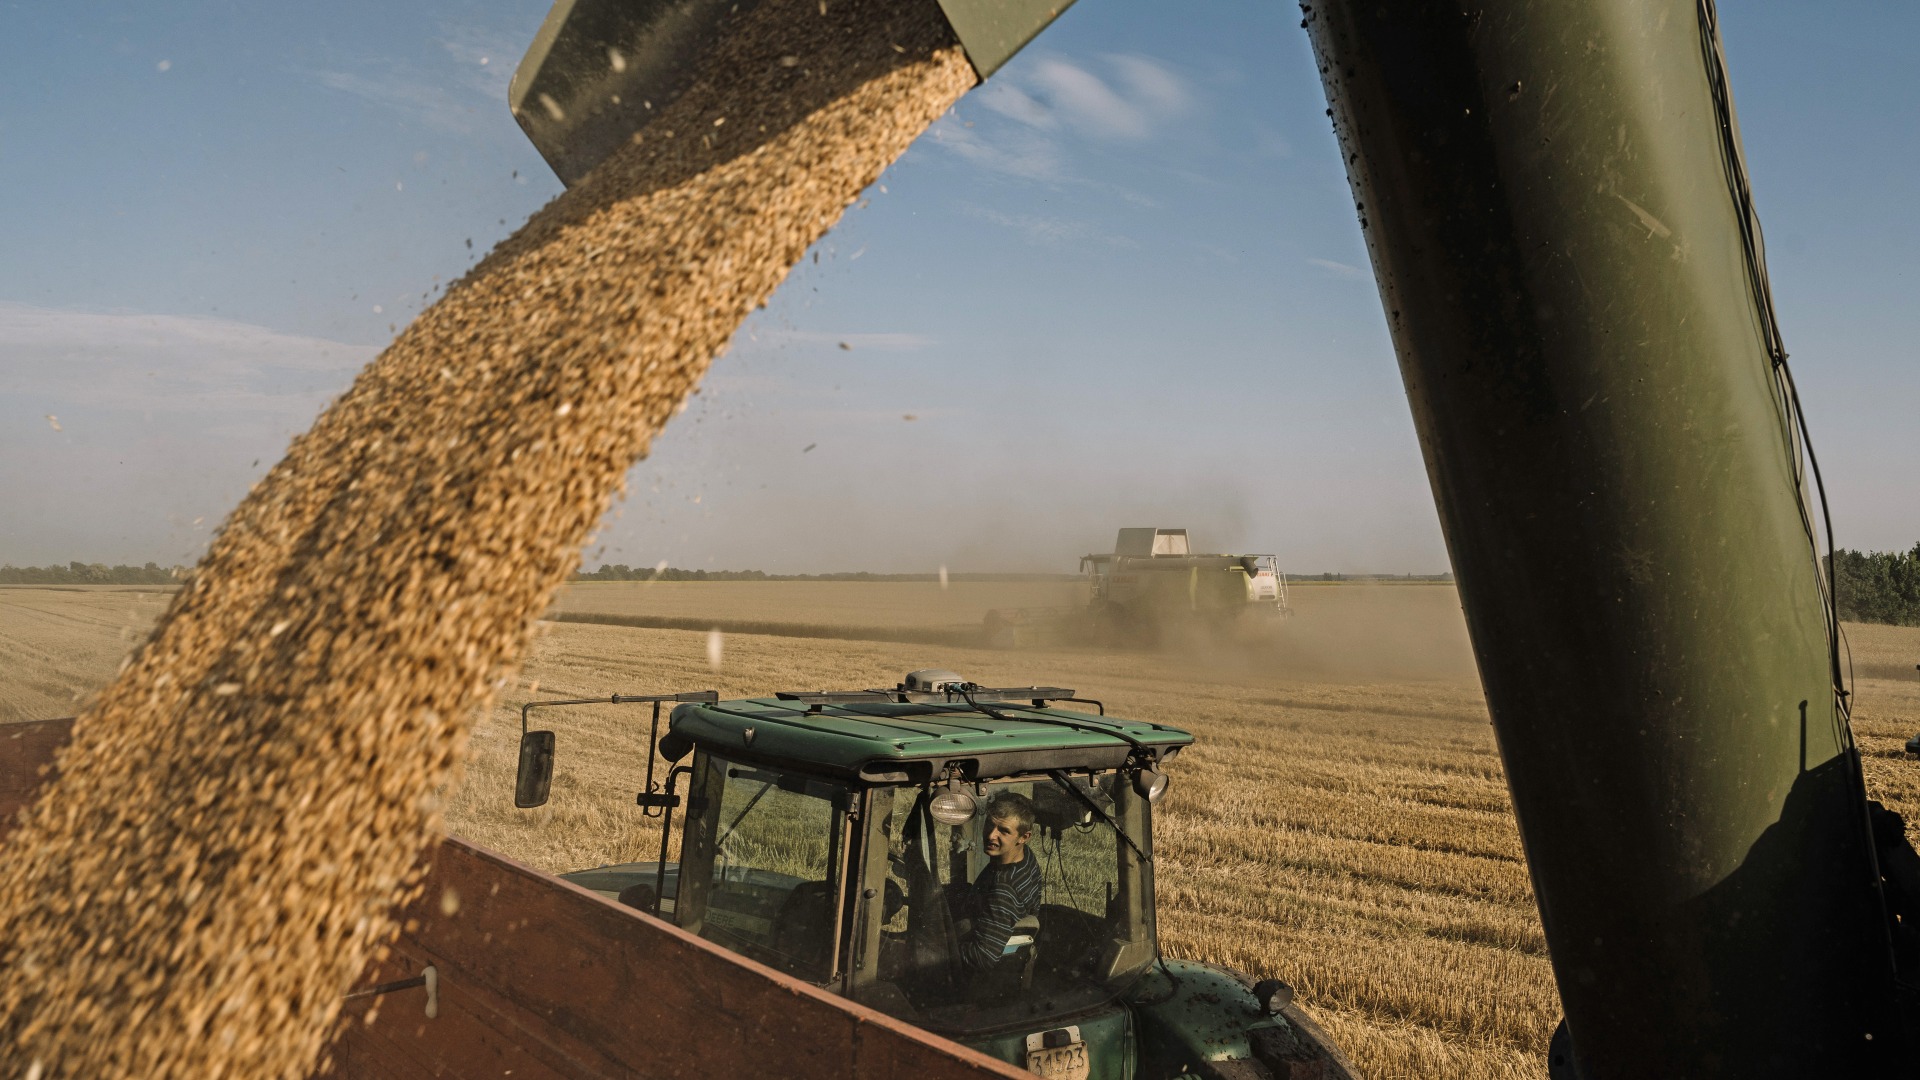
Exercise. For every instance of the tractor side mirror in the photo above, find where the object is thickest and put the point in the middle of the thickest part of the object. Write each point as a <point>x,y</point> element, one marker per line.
<point>535,778</point>
<point>673,746</point>
<point>642,896</point>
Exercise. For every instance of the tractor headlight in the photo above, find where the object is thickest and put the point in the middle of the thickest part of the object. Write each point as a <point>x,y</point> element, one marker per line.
<point>1150,782</point>
<point>954,806</point>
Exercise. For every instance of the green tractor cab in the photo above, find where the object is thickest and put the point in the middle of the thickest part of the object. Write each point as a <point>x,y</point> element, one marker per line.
<point>838,836</point>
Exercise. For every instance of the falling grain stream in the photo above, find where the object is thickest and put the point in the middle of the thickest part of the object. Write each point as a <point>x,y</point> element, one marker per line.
<point>239,812</point>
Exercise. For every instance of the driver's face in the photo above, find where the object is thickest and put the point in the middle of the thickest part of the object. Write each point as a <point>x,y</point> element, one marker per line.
<point>1006,842</point>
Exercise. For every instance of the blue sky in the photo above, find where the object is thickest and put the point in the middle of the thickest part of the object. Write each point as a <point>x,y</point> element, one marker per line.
<point>1121,285</point>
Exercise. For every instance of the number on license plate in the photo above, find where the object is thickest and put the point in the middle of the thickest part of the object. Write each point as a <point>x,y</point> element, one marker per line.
<point>1059,1062</point>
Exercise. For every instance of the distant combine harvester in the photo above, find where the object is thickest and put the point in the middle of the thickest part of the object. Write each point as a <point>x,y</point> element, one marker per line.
<point>1151,582</point>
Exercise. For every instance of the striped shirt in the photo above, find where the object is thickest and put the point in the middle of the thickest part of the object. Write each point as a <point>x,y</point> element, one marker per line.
<point>1001,896</point>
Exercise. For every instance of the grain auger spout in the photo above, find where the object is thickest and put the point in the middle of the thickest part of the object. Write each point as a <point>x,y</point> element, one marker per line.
<point>600,70</point>
<point>1562,226</point>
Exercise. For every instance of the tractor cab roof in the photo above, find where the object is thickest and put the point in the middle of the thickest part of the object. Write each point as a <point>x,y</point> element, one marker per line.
<point>914,733</point>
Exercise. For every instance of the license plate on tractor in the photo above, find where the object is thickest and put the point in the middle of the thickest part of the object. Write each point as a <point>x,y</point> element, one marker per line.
<point>1059,1054</point>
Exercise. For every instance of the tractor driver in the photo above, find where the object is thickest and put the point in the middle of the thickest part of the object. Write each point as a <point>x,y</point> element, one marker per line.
<point>1006,891</point>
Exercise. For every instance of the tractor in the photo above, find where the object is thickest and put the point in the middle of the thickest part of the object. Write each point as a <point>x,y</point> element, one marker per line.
<point>827,835</point>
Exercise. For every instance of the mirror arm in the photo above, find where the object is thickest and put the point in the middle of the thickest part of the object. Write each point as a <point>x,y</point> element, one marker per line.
<point>706,697</point>
<point>666,832</point>
<point>649,800</point>
<point>649,808</point>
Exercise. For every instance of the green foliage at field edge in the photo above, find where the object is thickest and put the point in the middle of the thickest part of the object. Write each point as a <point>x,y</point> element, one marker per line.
<point>79,573</point>
<point>1878,586</point>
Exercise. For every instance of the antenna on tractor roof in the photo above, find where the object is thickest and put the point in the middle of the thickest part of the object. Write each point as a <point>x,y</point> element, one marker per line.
<point>969,691</point>
<point>1149,781</point>
<point>936,686</point>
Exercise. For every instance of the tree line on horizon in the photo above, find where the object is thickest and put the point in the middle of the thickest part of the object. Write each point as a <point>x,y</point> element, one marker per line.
<point>1870,586</point>
<point>1878,586</point>
<point>79,573</point>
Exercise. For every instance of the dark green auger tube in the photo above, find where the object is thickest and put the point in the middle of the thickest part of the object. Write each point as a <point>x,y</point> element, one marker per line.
<point>598,70</point>
<point>1552,194</point>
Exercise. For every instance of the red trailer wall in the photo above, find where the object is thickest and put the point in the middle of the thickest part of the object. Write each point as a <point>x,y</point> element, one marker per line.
<point>540,980</point>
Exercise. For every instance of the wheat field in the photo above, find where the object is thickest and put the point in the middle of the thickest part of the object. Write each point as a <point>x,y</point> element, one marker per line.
<point>919,604</point>
<point>1342,823</point>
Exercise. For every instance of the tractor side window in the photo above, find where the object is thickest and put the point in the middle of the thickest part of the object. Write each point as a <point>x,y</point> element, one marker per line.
<point>775,867</point>
<point>1079,855</point>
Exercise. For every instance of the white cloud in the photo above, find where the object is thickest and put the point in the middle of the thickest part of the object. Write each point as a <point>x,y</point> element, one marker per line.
<point>1048,231</point>
<point>1015,152</point>
<point>164,422</point>
<point>458,95</point>
<point>1339,269</point>
<point>168,363</point>
<point>1151,86</point>
<point>1056,102</point>
<point>1137,96</point>
<point>418,99</point>
<point>1087,102</point>
<point>1007,99</point>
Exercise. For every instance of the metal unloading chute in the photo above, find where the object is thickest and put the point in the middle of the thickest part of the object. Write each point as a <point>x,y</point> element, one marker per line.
<point>1557,209</point>
<point>599,70</point>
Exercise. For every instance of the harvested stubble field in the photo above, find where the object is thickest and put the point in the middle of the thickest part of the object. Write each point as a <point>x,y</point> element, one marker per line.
<point>60,644</point>
<point>1342,823</point>
<point>893,604</point>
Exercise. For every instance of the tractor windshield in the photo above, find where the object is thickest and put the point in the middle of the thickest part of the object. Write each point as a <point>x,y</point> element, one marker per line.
<point>1036,905</point>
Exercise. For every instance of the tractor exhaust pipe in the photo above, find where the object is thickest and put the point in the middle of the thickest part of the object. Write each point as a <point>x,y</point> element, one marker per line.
<point>599,70</point>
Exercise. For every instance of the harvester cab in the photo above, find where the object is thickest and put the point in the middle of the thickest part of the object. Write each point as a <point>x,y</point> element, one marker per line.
<point>849,839</point>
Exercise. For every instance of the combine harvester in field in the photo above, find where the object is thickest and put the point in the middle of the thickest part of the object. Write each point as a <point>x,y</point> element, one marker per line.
<point>1150,585</point>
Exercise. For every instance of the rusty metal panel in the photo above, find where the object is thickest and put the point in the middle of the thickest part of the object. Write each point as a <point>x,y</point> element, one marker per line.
<point>26,755</point>
<point>392,1038</point>
<point>549,980</point>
